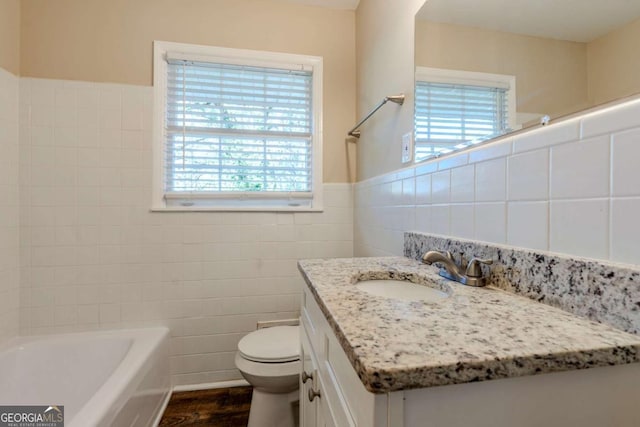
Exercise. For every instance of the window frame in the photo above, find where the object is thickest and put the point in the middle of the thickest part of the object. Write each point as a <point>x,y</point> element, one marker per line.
<point>251,201</point>
<point>471,78</point>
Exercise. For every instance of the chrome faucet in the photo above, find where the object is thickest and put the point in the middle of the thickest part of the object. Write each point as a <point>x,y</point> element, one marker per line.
<point>467,273</point>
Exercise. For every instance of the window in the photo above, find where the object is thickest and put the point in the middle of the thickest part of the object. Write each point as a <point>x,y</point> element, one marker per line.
<point>455,109</point>
<point>236,129</point>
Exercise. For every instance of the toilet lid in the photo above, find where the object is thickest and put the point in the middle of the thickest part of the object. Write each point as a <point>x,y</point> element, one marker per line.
<point>271,345</point>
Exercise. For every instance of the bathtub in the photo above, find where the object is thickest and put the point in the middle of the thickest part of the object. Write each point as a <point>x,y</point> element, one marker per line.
<point>106,378</point>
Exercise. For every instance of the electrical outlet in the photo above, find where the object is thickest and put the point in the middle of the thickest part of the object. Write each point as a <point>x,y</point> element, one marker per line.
<point>407,147</point>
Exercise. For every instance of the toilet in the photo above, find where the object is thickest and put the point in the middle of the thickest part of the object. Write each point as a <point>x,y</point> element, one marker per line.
<point>269,359</point>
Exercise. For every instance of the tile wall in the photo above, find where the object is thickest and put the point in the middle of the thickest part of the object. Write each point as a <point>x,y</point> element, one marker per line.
<point>9,206</point>
<point>571,188</point>
<point>94,257</point>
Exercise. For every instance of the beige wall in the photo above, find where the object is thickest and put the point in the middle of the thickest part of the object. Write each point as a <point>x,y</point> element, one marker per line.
<point>111,41</point>
<point>384,45</point>
<point>551,75</point>
<point>10,35</point>
<point>614,64</point>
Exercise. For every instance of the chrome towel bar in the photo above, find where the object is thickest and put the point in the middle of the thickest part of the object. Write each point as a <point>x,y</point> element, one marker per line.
<point>398,99</point>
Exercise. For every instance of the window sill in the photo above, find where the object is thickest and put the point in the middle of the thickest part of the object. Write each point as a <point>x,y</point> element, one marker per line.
<point>234,209</point>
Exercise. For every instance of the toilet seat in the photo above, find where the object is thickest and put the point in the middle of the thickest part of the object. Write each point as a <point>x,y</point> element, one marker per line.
<point>278,344</point>
<point>269,371</point>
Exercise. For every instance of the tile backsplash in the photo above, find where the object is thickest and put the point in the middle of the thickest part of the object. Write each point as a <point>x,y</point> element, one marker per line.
<point>95,257</point>
<point>569,188</point>
<point>601,291</point>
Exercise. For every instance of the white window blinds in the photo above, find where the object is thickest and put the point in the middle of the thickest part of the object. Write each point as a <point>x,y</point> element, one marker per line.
<point>450,116</point>
<point>237,131</point>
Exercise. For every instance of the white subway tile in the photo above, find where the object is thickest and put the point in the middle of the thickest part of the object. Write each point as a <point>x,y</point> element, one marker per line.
<point>423,219</point>
<point>43,115</point>
<point>527,225</point>
<point>65,315</point>
<point>41,317</point>
<point>110,138</point>
<point>66,157</point>
<point>625,152</point>
<point>491,150</point>
<point>463,184</point>
<point>440,219</point>
<point>132,139</point>
<point>529,176</point>
<point>426,167</point>
<point>110,96</point>
<point>423,189</point>
<point>109,313</point>
<point>580,227</point>
<point>453,160</point>
<point>132,110</point>
<point>462,220</point>
<point>441,187</point>
<point>110,118</point>
<point>65,96</point>
<point>553,134</point>
<point>24,90</point>
<point>88,136</point>
<point>42,135</point>
<point>42,92</point>
<point>88,314</point>
<point>66,136</point>
<point>490,181</point>
<point>408,191</point>
<point>65,116</point>
<point>396,193</point>
<point>625,232</point>
<point>581,169</point>
<point>42,297</point>
<point>614,119</point>
<point>490,222</point>
<point>88,97</point>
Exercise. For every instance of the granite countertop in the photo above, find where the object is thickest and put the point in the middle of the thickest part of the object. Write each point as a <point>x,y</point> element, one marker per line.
<point>476,334</point>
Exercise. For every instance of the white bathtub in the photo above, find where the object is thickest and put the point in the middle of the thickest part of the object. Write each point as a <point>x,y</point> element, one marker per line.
<point>107,378</point>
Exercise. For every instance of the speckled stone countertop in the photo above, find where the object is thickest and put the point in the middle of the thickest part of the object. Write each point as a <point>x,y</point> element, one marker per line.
<point>476,334</point>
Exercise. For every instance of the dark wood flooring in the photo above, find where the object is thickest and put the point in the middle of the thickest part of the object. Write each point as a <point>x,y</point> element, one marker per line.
<point>223,407</point>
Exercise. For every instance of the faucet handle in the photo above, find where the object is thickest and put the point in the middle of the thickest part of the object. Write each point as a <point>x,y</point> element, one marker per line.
<point>474,269</point>
<point>463,261</point>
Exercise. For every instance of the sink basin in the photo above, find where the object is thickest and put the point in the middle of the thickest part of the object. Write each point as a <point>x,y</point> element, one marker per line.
<point>401,290</point>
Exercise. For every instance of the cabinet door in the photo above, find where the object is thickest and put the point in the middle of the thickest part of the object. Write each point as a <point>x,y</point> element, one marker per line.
<point>308,409</point>
<point>325,416</point>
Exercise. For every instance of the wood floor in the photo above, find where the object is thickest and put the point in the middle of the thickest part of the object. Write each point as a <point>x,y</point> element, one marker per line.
<point>224,407</point>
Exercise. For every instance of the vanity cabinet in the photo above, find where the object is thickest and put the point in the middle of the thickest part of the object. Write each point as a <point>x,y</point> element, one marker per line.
<point>587,398</point>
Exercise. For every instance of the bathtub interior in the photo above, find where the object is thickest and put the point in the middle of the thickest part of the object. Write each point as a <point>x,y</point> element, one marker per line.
<point>102,378</point>
<point>57,371</point>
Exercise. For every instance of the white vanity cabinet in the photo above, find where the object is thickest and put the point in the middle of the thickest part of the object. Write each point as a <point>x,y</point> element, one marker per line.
<point>587,398</point>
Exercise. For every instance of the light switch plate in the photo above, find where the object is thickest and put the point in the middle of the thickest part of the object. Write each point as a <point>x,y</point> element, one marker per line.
<point>407,147</point>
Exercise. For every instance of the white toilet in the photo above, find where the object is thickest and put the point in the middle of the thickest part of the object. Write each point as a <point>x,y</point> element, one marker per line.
<point>269,359</point>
